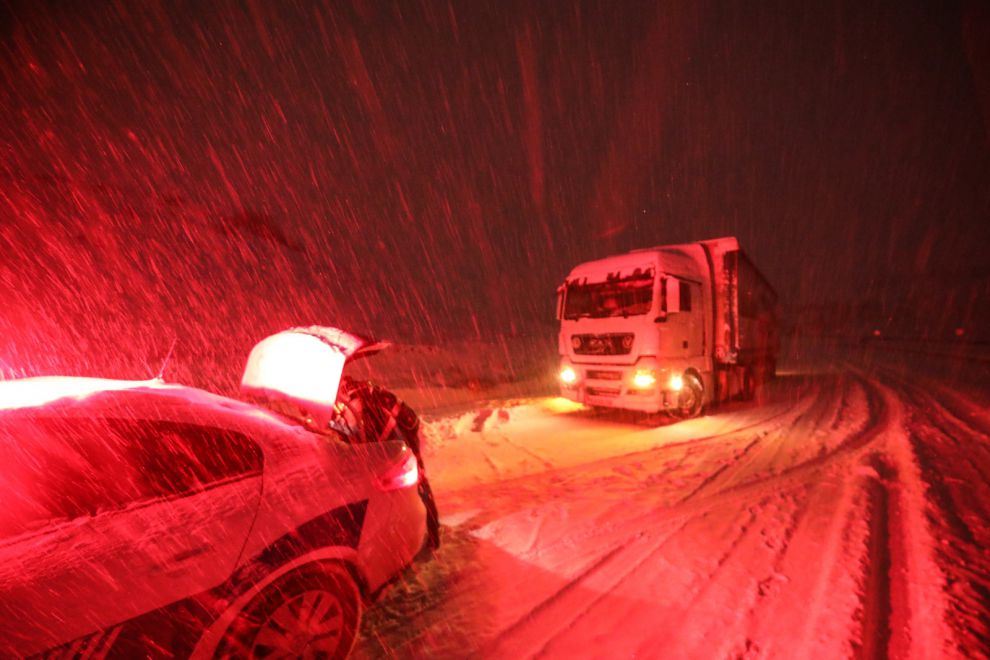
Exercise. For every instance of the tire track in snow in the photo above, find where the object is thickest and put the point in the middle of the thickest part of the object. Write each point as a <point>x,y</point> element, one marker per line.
<point>491,463</point>
<point>876,423</point>
<point>823,592</point>
<point>948,408</point>
<point>711,478</point>
<point>810,422</point>
<point>964,409</point>
<point>579,612</point>
<point>744,458</point>
<point>820,422</point>
<point>876,602</point>
<point>516,640</point>
<point>843,407</point>
<point>685,508</point>
<point>768,585</point>
<point>919,607</point>
<point>506,491</point>
<point>931,428</point>
<point>795,477</point>
<point>955,483</point>
<point>878,419</point>
<point>692,511</point>
<point>703,583</point>
<point>929,415</point>
<point>529,452</point>
<point>573,600</point>
<point>804,393</point>
<point>721,601</point>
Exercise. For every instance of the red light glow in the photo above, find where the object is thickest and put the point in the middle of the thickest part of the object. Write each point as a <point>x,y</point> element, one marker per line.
<point>402,475</point>
<point>32,392</point>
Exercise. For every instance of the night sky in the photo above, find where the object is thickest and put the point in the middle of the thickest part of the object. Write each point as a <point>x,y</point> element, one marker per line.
<point>212,172</point>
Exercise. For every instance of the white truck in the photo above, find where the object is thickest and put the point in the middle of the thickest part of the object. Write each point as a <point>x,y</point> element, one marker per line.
<point>672,328</point>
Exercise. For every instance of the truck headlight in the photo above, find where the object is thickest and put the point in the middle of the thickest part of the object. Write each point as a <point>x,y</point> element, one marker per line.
<point>676,383</point>
<point>644,378</point>
<point>568,376</point>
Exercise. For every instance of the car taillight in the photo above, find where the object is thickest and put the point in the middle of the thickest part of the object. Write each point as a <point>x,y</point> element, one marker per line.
<point>401,475</point>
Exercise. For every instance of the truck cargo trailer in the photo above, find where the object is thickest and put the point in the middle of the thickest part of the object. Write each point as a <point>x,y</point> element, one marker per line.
<point>672,328</point>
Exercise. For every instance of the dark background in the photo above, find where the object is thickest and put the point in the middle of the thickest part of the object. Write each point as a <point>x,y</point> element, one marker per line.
<point>208,173</point>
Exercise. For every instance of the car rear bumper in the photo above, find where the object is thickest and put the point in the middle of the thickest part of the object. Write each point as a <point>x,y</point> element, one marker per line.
<point>394,532</point>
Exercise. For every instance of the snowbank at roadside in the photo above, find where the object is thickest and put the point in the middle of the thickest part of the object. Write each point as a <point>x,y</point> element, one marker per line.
<point>463,374</point>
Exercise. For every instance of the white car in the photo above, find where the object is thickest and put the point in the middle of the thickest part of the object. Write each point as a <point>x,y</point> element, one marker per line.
<point>143,517</point>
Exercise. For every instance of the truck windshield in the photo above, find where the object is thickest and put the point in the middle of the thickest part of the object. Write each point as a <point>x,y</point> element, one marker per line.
<point>630,295</point>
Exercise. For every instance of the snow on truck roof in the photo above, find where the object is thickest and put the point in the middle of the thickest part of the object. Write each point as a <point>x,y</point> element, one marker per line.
<point>643,258</point>
<point>723,244</point>
<point>619,263</point>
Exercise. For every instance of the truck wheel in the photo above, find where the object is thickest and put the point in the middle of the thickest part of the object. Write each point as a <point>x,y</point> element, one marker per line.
<point>690,400</point>
<point>748,384</point>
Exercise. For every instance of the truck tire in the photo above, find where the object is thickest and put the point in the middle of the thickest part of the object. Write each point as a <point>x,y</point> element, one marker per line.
<point>748,383</point>
<point>691,398</point>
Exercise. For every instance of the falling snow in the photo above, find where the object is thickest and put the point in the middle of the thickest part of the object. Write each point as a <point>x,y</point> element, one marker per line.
<point>179,180</point>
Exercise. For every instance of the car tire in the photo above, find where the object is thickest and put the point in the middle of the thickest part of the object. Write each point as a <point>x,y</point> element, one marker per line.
<point>313,612</point>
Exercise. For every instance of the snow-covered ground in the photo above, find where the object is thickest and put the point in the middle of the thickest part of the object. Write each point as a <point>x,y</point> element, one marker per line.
<point>846,513</point>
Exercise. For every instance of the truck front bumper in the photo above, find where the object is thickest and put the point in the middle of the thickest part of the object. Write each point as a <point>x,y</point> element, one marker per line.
<point>612,386</point>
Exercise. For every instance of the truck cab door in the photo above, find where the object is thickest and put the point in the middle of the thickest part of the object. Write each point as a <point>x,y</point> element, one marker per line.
<point>683,333</point>
<point>695,319</point>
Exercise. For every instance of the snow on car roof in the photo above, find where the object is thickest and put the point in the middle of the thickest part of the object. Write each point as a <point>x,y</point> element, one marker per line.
<point>41,391</point>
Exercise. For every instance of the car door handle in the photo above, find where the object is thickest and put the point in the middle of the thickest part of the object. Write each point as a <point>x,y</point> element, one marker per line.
<point>176,563</point>
<point>190,553</point>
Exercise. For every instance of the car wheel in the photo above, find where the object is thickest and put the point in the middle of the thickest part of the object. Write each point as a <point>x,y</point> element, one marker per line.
<point>310,613</point>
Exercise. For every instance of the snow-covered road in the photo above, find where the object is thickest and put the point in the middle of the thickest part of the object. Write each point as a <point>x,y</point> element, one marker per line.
<point>847,513</point>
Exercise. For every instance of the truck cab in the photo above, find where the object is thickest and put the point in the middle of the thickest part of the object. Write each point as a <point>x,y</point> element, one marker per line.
<point>658,329</point>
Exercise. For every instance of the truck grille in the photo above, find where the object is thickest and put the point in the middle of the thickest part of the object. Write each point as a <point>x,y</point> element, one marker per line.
<point>602,391</point>
<point>604,375</point>
<point>611,344</point>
